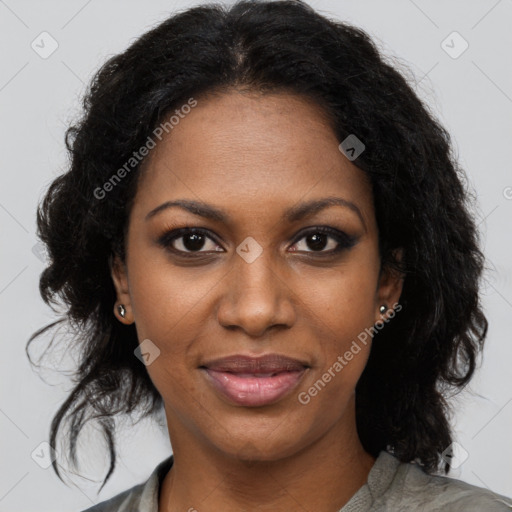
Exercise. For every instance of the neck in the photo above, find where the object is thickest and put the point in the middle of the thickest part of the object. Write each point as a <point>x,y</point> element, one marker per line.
<point>321,477</point>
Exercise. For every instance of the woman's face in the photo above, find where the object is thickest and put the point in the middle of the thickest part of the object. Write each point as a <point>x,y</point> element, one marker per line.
<point>260,280</point>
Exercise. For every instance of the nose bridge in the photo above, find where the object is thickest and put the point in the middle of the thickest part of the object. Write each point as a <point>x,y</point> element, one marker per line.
<point>256,277</point>
<point>256,297</point>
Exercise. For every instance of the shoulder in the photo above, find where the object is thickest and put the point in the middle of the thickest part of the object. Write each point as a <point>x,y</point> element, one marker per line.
<point>124,501</point>
<point>139,498</point>
<point>430,493</point>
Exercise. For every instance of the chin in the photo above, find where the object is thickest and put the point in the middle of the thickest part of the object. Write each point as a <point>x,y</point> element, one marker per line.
<point>259,446</point>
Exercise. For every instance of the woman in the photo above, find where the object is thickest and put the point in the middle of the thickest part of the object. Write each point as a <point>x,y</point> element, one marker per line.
<point>264,231</point>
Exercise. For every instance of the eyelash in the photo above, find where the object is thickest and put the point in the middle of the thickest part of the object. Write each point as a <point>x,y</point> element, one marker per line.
<point>344,241</point>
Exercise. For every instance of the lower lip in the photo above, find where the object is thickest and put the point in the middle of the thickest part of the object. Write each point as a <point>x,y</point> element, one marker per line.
<point>253,391</point>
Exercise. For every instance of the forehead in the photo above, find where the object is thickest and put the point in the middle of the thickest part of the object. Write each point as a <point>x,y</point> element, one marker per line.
<point>255,150</point>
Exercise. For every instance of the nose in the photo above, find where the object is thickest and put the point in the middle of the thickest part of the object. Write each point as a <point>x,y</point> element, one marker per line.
<point>256,297</point>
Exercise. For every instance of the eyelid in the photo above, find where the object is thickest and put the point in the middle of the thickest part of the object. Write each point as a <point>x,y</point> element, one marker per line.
<point>173,234</point>
<point>344,241</point>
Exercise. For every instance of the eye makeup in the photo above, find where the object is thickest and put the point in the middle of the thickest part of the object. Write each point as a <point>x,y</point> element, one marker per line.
<point>191,238</point>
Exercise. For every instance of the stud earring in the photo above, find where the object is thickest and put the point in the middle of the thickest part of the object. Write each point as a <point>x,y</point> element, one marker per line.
<point>121,310</point>
<point>383,309</point>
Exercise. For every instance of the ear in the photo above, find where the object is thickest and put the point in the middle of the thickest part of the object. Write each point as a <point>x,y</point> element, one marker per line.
<point>120,279</point>
<point>389,288</point>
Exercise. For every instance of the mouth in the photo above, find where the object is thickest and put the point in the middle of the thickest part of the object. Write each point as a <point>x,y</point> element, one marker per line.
<point>253,382</point>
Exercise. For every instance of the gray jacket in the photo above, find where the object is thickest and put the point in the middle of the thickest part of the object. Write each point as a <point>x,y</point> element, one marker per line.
<point>391,486</point>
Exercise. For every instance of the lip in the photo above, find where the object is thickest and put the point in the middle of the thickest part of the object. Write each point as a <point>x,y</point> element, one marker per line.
<point>254,381</point>
<point>268,363</point>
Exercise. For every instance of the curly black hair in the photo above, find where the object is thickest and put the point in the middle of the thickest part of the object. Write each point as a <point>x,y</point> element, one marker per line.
<point>421,198</point>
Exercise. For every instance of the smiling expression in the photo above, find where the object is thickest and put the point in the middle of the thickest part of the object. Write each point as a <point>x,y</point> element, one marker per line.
<point>283,260</point>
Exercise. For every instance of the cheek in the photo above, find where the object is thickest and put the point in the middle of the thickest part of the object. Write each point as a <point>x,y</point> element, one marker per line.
<point>343,306</point>
<point>344,298</point>
<point>165,297</point>
<point>165,304</point>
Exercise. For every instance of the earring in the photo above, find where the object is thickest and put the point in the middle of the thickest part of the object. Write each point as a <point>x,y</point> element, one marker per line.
<point>383,309</point>
<point>121,310</point>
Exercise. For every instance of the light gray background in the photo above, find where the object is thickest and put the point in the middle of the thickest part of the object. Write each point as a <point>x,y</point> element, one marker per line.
<point>471,94</point>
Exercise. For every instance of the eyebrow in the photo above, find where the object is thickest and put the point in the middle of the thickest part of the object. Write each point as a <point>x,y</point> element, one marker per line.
<point>293,214</point>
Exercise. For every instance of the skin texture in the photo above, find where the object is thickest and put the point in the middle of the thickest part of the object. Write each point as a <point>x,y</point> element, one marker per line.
<point>254,156</point>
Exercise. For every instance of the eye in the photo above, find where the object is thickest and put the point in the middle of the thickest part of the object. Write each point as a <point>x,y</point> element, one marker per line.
<point>189,240</point>
<point>322,237</point>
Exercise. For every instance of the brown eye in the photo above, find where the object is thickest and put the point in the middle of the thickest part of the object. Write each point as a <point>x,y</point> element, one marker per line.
<point>321,238</point>
<point>189,240</point>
